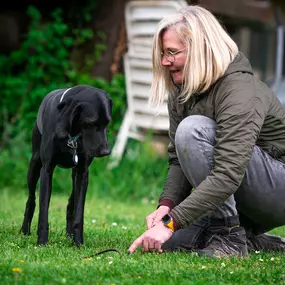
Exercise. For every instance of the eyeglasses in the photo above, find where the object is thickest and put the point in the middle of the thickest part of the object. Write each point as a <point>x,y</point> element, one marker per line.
<point>170,55</point>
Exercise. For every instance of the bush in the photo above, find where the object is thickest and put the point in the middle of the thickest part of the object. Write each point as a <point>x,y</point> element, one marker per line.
<point>42,64</point>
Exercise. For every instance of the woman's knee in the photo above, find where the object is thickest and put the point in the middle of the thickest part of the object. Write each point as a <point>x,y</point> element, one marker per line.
<point>192,128</point>
<point>194,141</point>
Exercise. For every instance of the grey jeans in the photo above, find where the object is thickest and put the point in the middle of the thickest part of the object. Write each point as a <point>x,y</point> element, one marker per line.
<point>258,202</point>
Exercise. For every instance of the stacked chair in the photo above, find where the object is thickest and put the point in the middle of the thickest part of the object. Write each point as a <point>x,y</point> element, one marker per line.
<point>141,18</point>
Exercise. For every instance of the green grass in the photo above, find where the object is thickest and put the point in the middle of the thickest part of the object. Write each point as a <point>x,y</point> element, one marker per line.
<point>62,263</point>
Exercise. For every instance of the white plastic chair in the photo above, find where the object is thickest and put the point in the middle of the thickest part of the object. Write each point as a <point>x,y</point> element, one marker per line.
<point>141,22</point>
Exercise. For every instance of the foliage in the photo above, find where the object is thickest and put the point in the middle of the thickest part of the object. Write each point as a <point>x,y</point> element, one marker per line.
<point>140,175</point>
<point>42,64</point>
<point>111,224</point>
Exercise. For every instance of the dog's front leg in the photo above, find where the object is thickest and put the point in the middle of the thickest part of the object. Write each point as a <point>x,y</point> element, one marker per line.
<point>32,179</point>
<point>70,207</point>
<point>81,183</point>
<point>45,193</point>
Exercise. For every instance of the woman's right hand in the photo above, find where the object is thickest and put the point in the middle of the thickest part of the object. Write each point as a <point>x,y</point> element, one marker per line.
<point>156,216</point>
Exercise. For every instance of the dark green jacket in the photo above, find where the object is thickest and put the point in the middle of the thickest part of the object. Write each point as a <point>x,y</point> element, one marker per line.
<point>247,113</point>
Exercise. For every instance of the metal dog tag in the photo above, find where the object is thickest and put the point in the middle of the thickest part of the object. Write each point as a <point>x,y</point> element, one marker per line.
<point>75,158</point>
<point>72,143</point>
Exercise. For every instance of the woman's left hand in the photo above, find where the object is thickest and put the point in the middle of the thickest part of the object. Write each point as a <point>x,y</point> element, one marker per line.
<point>152,239</point>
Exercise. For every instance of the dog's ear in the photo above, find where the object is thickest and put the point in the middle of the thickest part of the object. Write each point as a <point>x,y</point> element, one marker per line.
<point>65,109</point>
<point>61,105</point>
<point>75,114</point>
<point>110,104</point>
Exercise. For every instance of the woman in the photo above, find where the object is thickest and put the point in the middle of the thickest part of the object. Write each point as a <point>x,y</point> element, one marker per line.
<point>225,183</point>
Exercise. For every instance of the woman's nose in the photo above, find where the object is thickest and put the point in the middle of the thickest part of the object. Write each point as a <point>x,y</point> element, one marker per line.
<point>165,61</point>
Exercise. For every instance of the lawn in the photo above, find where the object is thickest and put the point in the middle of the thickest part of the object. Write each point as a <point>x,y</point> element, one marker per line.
<point>113,224</point>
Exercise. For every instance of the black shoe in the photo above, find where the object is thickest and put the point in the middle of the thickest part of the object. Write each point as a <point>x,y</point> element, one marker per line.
<point>232,244</point>
<point>265,242</point>
<point>196,236</point>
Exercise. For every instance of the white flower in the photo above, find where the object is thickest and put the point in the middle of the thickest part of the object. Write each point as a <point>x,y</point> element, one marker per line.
<point>132,154</point>
<point>257,251</point>
<point>124,227</point>
<point>272,258</point>
<point>114,224</point>
<point>203,267</point>
<point>93,221</point>
<point>144,200</point>
<point>260,259</point>
<point>110,262</point>
<point>222,264</point>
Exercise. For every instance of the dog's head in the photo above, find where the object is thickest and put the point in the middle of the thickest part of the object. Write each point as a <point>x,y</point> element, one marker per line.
<point>86,112</point>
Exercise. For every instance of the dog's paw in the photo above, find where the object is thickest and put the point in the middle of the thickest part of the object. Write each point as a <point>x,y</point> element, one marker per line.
<point>25,230</point>
<point>41,243</point>
<point>42,240</point>
<point>78,242</point>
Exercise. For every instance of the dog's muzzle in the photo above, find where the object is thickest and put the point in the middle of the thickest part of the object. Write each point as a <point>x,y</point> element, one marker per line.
<point>100,152</point>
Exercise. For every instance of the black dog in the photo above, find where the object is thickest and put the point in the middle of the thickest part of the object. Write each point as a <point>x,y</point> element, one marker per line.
<point>71,129</point>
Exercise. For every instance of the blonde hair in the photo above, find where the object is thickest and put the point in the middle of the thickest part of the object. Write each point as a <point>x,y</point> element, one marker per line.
<point>209,51</point>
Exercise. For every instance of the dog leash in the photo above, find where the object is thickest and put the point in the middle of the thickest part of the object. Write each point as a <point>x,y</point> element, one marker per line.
<point>101,252</point>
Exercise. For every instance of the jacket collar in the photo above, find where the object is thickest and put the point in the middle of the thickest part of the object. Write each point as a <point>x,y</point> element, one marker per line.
<point>239,64</point>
